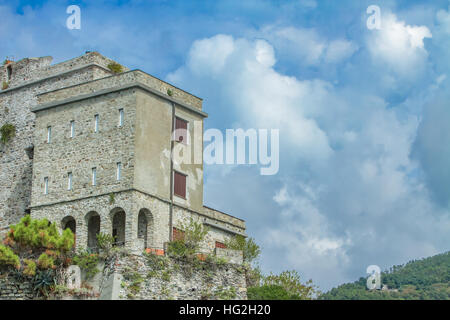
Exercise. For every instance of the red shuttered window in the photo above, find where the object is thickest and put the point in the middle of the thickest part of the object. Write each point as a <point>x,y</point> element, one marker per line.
<point>179,181</point>
<point>178,234</point>
<point>181,127</point>
<point>221,245</point>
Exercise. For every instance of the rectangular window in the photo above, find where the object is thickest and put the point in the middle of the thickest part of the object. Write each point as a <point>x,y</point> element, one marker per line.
<point>181,130</point>
<point>177,234</point>
<point>120,117</point>
<point>221,245</point>
<point>179,184</point>
<point>46,185</point>
<point>69,181</point>
<point>49,134</point>
<point>119,171</point>
<point>72,129</point>
<point>96,123</point>
<point>94,176</point>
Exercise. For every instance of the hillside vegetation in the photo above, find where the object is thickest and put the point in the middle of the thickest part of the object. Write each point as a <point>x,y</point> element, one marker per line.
<point>427,279</point>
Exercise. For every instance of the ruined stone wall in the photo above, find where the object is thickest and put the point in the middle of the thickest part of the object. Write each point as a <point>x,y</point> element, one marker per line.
<point>164,278</point>
<point>12,288</point>
<point>219,229</point>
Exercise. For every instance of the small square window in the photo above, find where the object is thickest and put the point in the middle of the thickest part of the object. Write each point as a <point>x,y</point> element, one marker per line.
<point>46,185</point>
<point>121,117</point>
<point>72,129</point>
<point>119,171</point>
<point>96,120</point>
<point>69,181</point>
<point>181,130</point>
<point>49,134</point>
<point>221,245</point>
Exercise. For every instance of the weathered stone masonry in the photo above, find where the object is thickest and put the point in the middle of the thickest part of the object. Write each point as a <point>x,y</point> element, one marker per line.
<point>28,78</point>
<point>82,97</point>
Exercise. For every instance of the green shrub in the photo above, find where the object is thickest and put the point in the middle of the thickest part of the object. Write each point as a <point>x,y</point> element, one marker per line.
<point>45,262</point>
<point>270,292</point>
<point>178,249</point>
<point>41,234</point>
<point>5,85</point>
<point>105,242</point>
<point>7,132</point>
<point>30,268</point>
<point>115,67</point>
<point>8,257</point>
<point>194,233</point>
<point>290,281</point>
<point>43,281</point>
<point>88,262</point>
<point>169,92</point>
<point>250,250</point>
<point>112,198</point>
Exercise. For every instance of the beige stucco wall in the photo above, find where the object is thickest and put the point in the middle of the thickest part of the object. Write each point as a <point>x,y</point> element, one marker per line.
<point>192,152</point>
<point>152,144</point>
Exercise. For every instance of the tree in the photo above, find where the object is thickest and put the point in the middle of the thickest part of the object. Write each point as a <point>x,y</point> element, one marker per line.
<point>250,249</point>
<point>291,282</point>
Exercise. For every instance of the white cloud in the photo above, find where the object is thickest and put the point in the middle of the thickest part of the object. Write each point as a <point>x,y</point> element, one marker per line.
<point>306,46</point>
<point>210,55</point>
<point>339,50</point>
<point>399,46</point>
<point>264,97</point>
<point>350,193</point>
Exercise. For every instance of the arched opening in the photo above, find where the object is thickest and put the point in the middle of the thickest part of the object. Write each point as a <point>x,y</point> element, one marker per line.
<point>9,71</point>
<point>145,222</point>
<point>118,226</point>
<point>69,223</point>
<point>93,223</point>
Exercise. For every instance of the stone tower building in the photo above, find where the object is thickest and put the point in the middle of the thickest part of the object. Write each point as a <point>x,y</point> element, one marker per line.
<point>93,152</point>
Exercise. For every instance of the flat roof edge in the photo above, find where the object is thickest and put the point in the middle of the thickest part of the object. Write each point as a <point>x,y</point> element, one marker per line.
<point>32,82</point>
<point>54,104</point>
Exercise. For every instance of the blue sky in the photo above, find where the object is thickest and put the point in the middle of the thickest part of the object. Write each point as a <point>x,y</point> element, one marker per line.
<point>363,114</point>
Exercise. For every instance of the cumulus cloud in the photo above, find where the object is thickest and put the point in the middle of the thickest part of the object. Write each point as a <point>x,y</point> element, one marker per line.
<point>306,46</point>
<point>398,45</point>
<point>351,195</point>
<point>267,99</point>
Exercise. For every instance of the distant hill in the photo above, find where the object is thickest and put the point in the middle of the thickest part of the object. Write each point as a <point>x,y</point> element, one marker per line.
<point>427,279</point>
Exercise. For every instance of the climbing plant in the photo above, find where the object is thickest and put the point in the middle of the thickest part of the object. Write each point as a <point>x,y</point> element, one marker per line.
<point>7,131</point>
<point>115,67</point>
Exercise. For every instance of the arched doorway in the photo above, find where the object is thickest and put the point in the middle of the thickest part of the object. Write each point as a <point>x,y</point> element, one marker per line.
<point>69,223</point>
<point>145,227</point>
<point>118,226</point>
<point>93,223</point>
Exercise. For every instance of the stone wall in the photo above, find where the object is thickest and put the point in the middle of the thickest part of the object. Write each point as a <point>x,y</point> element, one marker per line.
<point>15,105</point>
<point>86,150</point>
<point>118,80</point>
<point>138,277</point>
<point>131,202</point>
<point>12,288</point>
